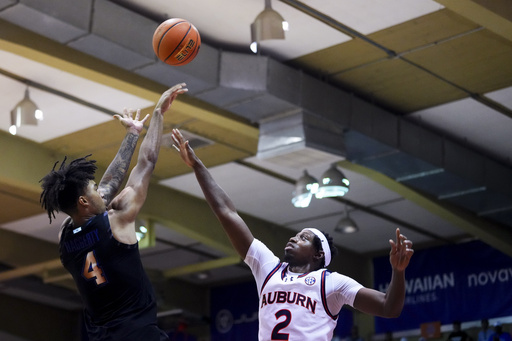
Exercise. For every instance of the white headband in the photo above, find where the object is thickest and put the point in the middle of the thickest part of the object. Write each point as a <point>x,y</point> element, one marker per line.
<point>325,244</point>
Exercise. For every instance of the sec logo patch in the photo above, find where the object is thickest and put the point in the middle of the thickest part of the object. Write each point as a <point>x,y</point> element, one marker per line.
<point>310,280</point>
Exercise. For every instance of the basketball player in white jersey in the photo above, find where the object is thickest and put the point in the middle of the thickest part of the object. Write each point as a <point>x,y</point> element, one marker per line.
<point>299,299</point>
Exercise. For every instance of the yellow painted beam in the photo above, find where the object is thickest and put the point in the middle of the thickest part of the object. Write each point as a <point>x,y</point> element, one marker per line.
<point>485,16</point>
<point>30,269</point>
<point>496,236</point>
<point>203,266</point>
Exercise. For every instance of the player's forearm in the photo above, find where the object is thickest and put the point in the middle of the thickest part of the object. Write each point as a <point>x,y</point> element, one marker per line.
<point>214,194</point>
<point>395,295</point>
<point>118,168</point>
<point>150,146</point>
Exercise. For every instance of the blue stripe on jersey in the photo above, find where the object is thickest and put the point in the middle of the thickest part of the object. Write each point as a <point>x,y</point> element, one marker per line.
<point>270,275</point>
<point>324,297</point>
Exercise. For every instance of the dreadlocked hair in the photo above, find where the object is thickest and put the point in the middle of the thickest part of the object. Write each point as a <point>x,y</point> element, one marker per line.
<point>318,245</point>
<point>62,187</point>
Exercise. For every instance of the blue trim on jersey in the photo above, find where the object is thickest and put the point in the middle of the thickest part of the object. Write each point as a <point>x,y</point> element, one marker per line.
<point>285,270</point>
<point>324,297</point>
<point>283,273</point>
<point>270,275</point>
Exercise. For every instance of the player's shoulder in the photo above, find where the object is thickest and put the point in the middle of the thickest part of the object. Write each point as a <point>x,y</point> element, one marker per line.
<point>335,275</point>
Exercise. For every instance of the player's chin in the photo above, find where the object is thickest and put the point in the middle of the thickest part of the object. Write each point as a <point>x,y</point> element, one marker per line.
<point>288,257</point>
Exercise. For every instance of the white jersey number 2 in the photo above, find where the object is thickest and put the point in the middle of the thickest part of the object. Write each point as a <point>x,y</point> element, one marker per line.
<point>276,332</point>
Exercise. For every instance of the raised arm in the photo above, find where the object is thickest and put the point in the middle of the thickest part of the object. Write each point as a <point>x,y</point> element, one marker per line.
<point>221,205</point>
<point>129,202</point>
<point>116,171</point>
<point>391,303</point>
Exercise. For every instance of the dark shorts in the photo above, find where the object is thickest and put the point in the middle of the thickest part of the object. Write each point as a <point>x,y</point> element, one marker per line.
<point>131,331</point>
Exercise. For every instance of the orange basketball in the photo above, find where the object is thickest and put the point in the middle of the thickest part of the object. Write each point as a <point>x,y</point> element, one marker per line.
<point>176,41</point>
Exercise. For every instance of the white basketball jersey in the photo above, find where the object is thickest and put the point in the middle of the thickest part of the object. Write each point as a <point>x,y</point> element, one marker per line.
<point>293,306</point>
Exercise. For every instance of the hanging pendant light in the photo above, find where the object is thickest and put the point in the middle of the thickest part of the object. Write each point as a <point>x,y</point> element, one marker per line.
<point>268,25</point>
<point>332,184</point>
<point>305,188</point>
<point>346,224</point>
<point>25,112</point>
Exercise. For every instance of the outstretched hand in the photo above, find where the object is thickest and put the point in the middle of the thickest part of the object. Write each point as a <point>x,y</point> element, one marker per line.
<point>169,96</point>
<point>401,251</point>
<point>134,125</point>
<point>181,145</point>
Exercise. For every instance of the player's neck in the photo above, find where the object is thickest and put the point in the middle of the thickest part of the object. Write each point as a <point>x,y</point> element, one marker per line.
<point>81,219</point>
<point>301,269</point>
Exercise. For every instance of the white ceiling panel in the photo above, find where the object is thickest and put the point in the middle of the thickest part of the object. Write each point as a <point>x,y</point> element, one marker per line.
<point>61,116</point>
<point>470,121</point>
<point>368,16</point>
<point>87,90</point>
<point>502,96</point>
<point>38,226</point>
<point>418,216</point>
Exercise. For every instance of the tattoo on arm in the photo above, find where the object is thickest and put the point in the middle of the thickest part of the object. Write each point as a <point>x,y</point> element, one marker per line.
<point>116,171</point>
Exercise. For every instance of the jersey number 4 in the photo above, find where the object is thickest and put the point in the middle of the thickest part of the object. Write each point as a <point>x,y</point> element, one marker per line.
<point>92,270</point>
<point>276,332</point>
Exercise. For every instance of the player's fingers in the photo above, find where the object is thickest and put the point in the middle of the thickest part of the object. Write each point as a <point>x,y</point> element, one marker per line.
<point>145,118</point>
<point>175,139</point>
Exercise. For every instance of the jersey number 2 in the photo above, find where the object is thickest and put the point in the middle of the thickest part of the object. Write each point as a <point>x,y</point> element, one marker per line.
<point>276,335</point>
<point>92,270</point>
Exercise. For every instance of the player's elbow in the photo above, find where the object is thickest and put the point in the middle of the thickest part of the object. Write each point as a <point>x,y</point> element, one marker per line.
<point>392,313</point>
<point>395,314</point>
<point>148,158</point>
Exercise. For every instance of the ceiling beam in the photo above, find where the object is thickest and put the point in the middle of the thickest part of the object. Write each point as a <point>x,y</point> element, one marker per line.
<point>494,235</point>
<point>494,15</point>
<point>37,268</point>
<point>203,266</point>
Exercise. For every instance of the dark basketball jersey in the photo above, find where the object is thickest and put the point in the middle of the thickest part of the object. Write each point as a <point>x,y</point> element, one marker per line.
<point>118,297</point>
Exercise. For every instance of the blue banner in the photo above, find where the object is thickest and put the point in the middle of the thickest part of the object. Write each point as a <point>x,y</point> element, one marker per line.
<point>465,282</point>
<point>234,312</point>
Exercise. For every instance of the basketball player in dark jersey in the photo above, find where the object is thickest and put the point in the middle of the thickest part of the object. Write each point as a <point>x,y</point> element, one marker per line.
<point>98,244</point>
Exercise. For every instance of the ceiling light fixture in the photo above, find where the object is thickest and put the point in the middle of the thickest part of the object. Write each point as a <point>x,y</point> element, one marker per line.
<point>268,25</point>
<point>25,112</point>
<point>346,224</point>
<point>305,187</point>
<point>332,184</point>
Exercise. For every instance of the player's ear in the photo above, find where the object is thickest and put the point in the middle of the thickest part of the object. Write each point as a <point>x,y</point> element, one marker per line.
<point>319,255</point>
<point>82,201</point>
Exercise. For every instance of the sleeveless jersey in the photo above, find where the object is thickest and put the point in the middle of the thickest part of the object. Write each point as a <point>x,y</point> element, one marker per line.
<point>117,294</point>
<point>297,307</point>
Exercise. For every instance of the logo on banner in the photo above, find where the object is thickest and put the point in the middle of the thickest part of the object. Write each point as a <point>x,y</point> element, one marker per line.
<point>224,321</point>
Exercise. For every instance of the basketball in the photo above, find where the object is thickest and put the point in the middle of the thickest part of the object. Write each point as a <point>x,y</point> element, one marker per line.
<point>176,41</point>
